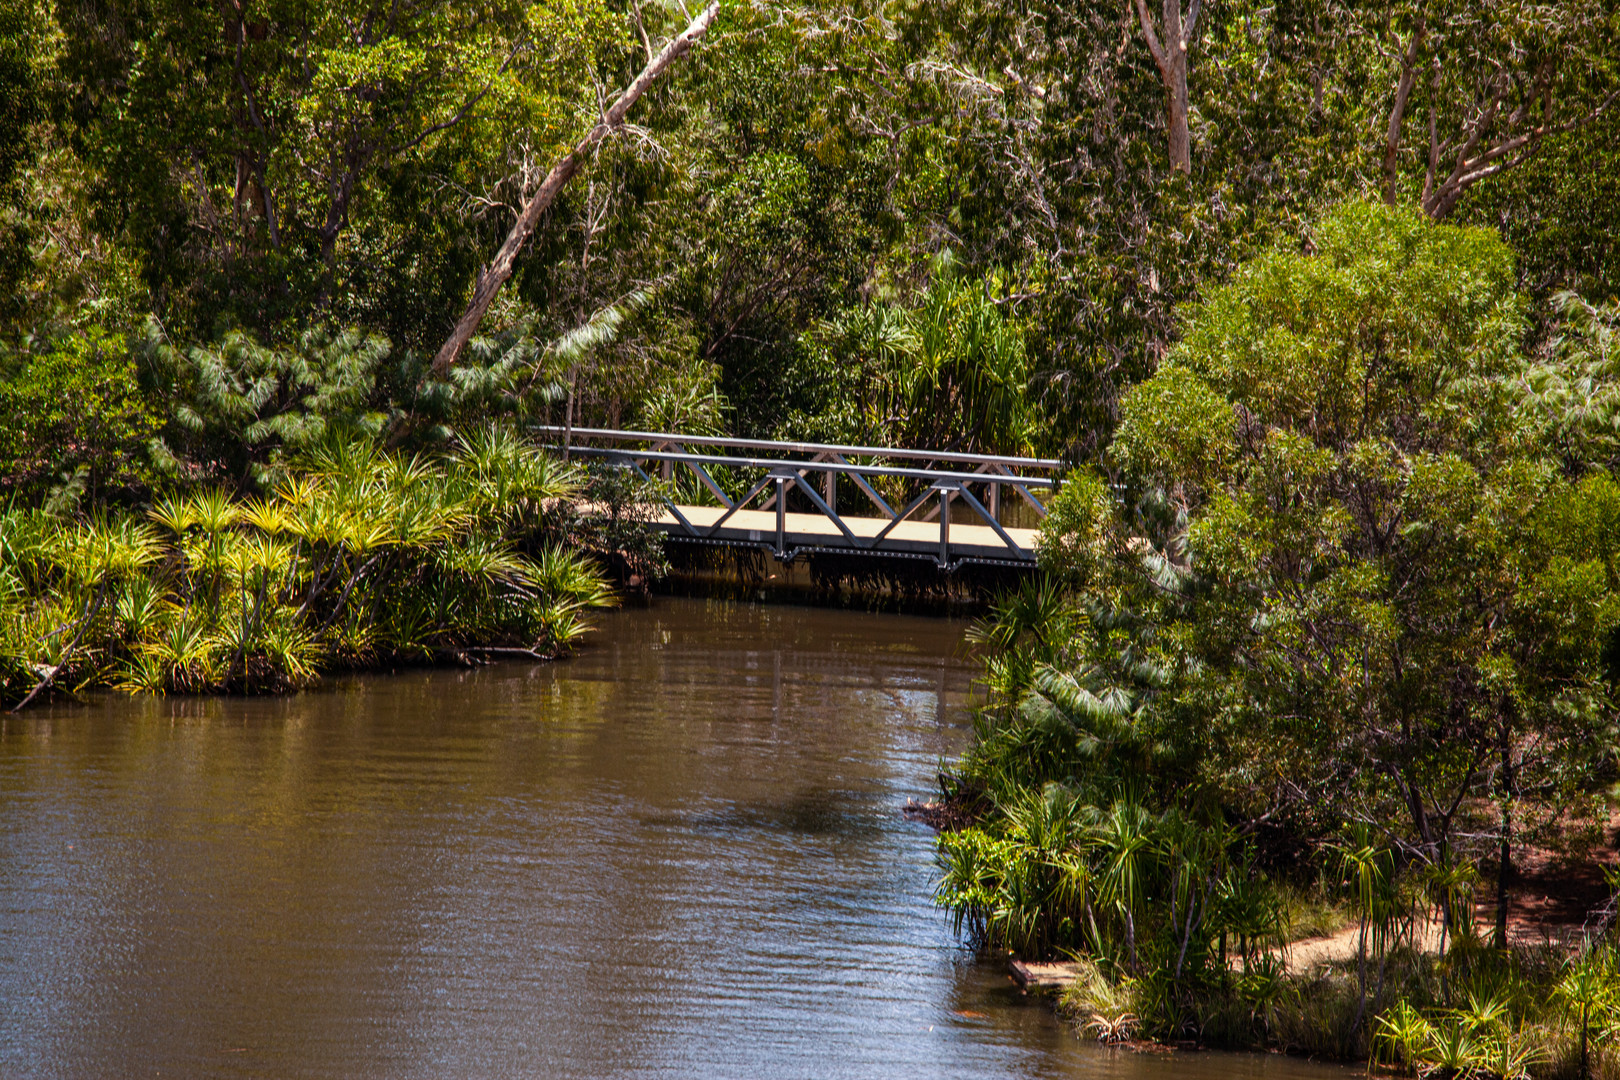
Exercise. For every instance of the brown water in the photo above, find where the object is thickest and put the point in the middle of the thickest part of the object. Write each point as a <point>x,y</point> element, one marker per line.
<point>677,855</point>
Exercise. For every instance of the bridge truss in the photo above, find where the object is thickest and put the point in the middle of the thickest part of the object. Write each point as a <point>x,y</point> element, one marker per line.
<point>738,493</point>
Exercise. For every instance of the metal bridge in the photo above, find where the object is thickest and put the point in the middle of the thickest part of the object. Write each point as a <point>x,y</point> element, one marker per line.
<point>806,493</point>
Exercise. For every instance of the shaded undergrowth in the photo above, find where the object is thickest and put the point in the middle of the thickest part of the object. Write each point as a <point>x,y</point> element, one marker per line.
<point>1077,828</point>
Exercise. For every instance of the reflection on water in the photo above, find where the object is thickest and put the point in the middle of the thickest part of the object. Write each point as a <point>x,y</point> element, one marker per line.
<point>679,854</point>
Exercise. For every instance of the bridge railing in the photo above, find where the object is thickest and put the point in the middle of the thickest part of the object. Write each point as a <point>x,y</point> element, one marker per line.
<point>944,477</point>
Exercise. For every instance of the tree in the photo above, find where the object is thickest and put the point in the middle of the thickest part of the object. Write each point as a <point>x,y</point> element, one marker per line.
<point>235,411</point>
<point>1495,80</point>
<point>1385,594</point>
<point>21,108</point>
<point>1556,210</point>
<point>281,159</point>
<point>492,277</point>
<point>73,417</point>
<point>1047,125</point>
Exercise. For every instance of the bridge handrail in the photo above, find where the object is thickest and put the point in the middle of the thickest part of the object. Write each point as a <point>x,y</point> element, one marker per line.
<point>1044,482</point>
<point>804,448</point>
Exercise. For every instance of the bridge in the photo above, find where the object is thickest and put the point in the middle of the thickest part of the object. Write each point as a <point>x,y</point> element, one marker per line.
<point>792,498</point>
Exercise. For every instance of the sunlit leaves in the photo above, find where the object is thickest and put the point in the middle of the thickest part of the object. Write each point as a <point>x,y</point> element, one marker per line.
<point>888,374</point>
<point>1376,572</point>
<point>359,554</point>
<point>1177,422</point>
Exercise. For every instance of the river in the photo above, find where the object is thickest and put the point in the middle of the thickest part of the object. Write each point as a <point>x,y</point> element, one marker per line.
<point>679,854</point>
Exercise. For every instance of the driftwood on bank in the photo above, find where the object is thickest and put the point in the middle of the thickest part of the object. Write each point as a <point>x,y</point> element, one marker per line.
<point>492,277</point>
<point>49,674</point>
<point>475,655</point>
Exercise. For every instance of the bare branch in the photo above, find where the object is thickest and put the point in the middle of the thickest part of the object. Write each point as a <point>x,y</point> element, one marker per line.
<point>500,268</point>
<point>1397,112</point>
<point>1153,44</point>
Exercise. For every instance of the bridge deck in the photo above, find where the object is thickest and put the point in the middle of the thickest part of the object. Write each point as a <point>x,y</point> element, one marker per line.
<point>944,485</point>
<point>817,530</point>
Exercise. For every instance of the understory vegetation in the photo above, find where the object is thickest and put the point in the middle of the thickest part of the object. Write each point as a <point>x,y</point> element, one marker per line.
<point>1479,1012</point>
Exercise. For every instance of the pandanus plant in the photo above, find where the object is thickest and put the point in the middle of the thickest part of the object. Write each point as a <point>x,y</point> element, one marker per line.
<point>1029,887</point>
<point>357,552</point>
<point>1122,843</point>
<point>1589,991</point>
<point>1369,869</point>
<point>64,581</point>
<point>1401,1038</point>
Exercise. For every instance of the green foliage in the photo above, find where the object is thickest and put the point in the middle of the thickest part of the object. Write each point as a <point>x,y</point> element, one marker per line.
<point>1147,895</point>
<point>1368,528</point>
<point>1340,590</point>
<point>359,557</point>
<point>244,404</point>
<point>612,520</point>
<point>949,373</point>
<point>73,414</point>
<point>241,410</point>
<point>1506,1024</point>
<point>1078,528</point>
<point>22,108</point>
<point>297,166</point>
<point>298,156</point>
<point>1572,393</point>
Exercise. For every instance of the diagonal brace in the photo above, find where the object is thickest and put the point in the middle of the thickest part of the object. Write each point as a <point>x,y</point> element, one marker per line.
<point>821,505</point>
<point>901,516</point>
<point>968,497</point>
<point>739,504</point>
<point>674,509</point>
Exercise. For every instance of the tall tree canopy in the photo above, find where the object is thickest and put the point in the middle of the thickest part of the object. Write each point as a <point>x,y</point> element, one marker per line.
<point>280,167</point>
<point>1382,588</point>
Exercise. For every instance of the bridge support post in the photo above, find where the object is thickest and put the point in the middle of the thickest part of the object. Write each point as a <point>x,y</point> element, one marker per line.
<point>945,492</point>
<point>781,517</point>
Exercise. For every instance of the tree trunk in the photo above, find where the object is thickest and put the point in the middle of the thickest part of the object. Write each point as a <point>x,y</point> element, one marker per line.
<point>492,277</point>
<point>1170,56</point>
<point>1176,98</point>
<point>1504,864</point>
<point>1397,113</point>
<point>1586,1067</point>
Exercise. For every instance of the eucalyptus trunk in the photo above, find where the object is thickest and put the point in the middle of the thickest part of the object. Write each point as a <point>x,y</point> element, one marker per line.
<point>492,277</point>
<point>1169,45</point>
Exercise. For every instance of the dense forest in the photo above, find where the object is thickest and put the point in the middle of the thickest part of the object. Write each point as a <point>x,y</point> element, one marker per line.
<point>1318,297</point>
<point>227,228</point>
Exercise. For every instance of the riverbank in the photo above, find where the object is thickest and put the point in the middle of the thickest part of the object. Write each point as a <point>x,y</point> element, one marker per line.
<point>359,559</point>
<point>1079,826</point>
<point>1402,990</point>
<point>1445,1001</point>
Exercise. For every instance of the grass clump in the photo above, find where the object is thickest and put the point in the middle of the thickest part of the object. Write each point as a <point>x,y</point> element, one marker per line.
<point>358,557</point>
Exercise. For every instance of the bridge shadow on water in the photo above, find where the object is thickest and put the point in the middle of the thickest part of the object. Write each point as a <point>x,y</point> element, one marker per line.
<point>829,579</point>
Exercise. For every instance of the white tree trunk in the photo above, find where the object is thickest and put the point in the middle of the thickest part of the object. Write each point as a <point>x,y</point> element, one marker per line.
<point>492,277</point>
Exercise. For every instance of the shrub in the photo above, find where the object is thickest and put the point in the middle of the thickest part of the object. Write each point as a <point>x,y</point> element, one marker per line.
<point>73,413</point>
